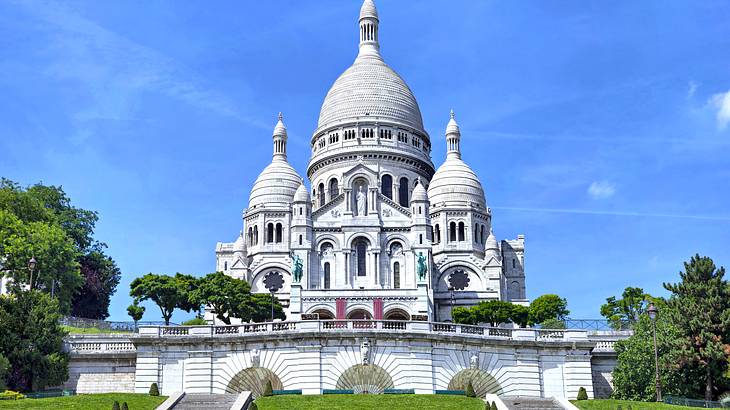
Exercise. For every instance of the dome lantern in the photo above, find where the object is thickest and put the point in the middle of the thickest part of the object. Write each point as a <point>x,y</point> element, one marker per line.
<point>369,46</point>
<point>453,138</point>
<point>280,139</point>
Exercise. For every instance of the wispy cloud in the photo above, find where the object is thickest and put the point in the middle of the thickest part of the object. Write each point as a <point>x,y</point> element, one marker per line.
<point>613,213</point>
<point>601,189</point>
<point>721,102</point>
<point>692,87</point>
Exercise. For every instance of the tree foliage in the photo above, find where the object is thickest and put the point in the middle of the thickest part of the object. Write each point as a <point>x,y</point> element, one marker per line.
<point>493,312</point>
<point>40,222</point>
<point>135,311</point>
<point>700,309</point>
<point>548,307</point>
<point>165,291</point>
<point>32,340</point>
<point>624,312</point>
<point>226,296</point>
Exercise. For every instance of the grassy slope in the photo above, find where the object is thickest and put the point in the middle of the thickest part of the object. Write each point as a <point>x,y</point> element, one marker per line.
<point>86,402</point>
<point>370,402</point>
<point>635,405</point>
<point>89,330</point>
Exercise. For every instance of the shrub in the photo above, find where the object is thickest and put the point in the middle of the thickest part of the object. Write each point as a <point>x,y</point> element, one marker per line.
<point>582,394</point>
<point>115,406</point>
<point>552,324</point>
<point>470,390</point>
<point>253,406</point>
<point>198,321</point>
<point>268,390</point>
<point>487,406</point>
<point>154,391</point>
<point>124,406</point>
<point>11,395</point>
<point>494,405</point>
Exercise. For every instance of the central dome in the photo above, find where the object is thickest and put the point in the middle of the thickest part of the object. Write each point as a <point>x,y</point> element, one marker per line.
<point>370,90</point>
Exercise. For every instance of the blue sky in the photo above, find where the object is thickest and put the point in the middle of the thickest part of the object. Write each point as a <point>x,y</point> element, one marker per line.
<point>600,130</point>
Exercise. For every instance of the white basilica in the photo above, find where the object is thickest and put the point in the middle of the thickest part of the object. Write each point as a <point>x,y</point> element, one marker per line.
<point>382,235</point>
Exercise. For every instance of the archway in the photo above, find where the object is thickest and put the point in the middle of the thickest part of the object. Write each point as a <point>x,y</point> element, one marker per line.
<point>359,314</point>
<point>483,382</point>
<point>396,314</point>
<point>365,378</point>
<point>253,379</point>
<point>324,314</point>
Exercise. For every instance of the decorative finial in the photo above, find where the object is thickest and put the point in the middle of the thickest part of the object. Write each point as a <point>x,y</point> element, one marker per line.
<point>281,117</point>
<point>418,180</point>
<point>452,114</point>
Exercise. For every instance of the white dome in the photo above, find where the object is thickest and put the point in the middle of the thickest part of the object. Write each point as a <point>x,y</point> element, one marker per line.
<point>240,244</point>
<point>370,90</point>
<point>368,10</point>
<point>302,194</point>
<point>491,242</point>
<point>455,183</point>
<point>419,193</point>
<point>276,185</point>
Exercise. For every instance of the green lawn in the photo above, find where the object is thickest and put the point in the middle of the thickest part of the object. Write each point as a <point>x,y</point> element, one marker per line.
<point>89,330</point>
<point>87,402</point>
<point>370,402</point>
<point>635,405</point>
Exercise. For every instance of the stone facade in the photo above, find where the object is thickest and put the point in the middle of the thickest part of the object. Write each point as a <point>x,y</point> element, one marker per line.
<point>383,233</point>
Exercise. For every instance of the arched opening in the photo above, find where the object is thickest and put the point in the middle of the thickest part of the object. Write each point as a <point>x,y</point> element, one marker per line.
<point>476,233</point>
<point>360,201</point>
<point>270,233</point>
<point>279,232</point>
<point>437,233</point>
<point>225,265</point>
<point>359,314</point>
<point>483,382</point>
<point>396,275</point>
<point>324,314</point>
<point>461,231</point>
<point>334,188</point>
<point>403,192</point>
<point>361,249</point>
<point>326,275</point>
<point>365,378</point>
<point>320,194</point>
<point>255,235</point>
<point>250,236</point>
<point>452,232</point>
<point>300,239</point>
<point>253,379</point>
<point>484,238</point>
<point>386,186</point>
<point>396,314</point>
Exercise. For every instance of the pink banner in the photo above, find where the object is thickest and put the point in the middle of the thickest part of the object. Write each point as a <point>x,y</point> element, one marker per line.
<point>341,307</point>
<point>378,308</point>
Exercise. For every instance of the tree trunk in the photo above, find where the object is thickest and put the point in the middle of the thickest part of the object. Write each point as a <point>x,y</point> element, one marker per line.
<point>708,386</point>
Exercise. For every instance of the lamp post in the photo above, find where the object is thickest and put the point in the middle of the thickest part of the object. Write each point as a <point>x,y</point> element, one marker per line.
<point>652,315</point>
<point>31,267</point>
<point>451,289</point>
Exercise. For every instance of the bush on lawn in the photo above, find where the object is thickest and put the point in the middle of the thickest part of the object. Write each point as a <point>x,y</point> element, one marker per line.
<point>11,395</point>
<point>470,390</point>
<point>253,406</point>
<point>582,394</point>
<point>154,391</point>
<point>124,406</point>
<point>268,390</point>
<point>115,406</point>
<point>494,405</point>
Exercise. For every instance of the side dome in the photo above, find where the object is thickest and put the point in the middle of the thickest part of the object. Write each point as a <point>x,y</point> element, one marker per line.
<point>302,194</point>
<point>276,185</point>
<point>419,193</point>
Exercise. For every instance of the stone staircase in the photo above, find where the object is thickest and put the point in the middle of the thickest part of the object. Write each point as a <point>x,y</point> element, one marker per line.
<point>531,403</point>
<point>206,401</point>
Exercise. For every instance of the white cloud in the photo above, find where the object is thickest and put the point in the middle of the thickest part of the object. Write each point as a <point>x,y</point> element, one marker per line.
<point>692,88</point>
<point>601,189</point>
<point>721,102</point>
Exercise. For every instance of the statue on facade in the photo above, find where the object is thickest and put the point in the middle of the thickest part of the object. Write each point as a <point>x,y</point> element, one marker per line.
<point>255,358</point>
<point>362,200</point>
<point>297,267</point>
<point>474,361</point>
<point>421,266</point>
<point>365,352</point>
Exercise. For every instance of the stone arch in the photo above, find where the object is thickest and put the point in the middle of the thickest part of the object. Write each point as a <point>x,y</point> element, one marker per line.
<point>476,275</point>
<point>397,237</point>
<point>358,310</point>
<point>257,285</point>
<point>321,239</point>
<point>386,185</point>
<point>483,382</point>
<point>396,314</point>
<point>324,312</point>
<point>365,378</point>
<point>253,379</point>
<point>333,188</point>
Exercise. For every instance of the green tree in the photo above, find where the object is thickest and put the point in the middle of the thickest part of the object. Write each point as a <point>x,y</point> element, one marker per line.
<point>493,312</point>
<point>225,295</point>
<point>464,315</point>
<point>164,290</point>
<point>634,374</point>
<point>552,324</point>
<point>520,315</point>
<point>548,307</point>
<point>4,370</point>
<point>624,312</point>
<point>135,311</point>
<point>101,277</point>
<point>700,309</point>
<point>258,309</point>
<point>187,285</point>
<point>32,340</point>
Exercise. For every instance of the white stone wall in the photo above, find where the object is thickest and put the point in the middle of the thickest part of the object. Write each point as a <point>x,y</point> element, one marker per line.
<point>89,375</point>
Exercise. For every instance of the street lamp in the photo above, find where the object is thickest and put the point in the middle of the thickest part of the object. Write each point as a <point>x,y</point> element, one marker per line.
<point>652,311</point>
<point>31,267</point>
<point>451,289</point>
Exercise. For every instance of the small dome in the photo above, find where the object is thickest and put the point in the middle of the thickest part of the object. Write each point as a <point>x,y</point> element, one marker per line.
<point>491,242</point>
<point>368,10</point>
<point>240,244</point>
<point>455,183</point>
<point>419,193</point>
<point>452,127</point>
<point>280,129</point>
<point>275,186</point>
<point>302,194</point>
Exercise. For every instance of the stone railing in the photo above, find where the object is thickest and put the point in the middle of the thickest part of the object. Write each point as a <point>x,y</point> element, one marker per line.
<point>91,344</point>
<point>384,326</point>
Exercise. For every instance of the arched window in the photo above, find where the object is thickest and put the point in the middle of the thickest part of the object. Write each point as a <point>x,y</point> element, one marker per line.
<point>484,238</point>
<point>386,186</point>
<point>461,231</point>
<point>250,236</point>
<point>321,194</point>
<point>514,263</point>
<point>403,192</point>
<point>420,239</point>
<point>278,233</point>
<point>396,275</point>
<point>300,239</point>
<point>225,265</point>
<point>270,233</point>
<point>437,232</point>
<point>334,189</point>
<point>476,233</point>
<point>255,235</point>
<point>452,232</point>
<point>326,275</point>
<point>361,247</point>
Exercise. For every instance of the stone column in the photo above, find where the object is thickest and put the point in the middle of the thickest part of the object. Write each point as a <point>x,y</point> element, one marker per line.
<point>373,196</point>
<point>376,270</point>
<point>348,201</point>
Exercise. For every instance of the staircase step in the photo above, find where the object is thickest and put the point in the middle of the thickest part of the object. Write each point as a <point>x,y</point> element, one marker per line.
<point>531,403</point>
<point>206,401</point>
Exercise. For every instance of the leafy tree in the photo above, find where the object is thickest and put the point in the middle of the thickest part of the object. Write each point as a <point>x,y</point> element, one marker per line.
<point>259,309</point>
<point>552,324</point>
<point>464,315</point>
<point>520,315</point>
<point>188,284</point>
<point>225,295</point>
<point>700,309</point>
<point>627,310</point>
<point>4,370</point>
<point>164,290</point>
<point>32,340</point>
<point>548,307</point>
<point>135,311</point>
<point>101,277</point>
<point>634,375</point>
<point>493,312</point>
